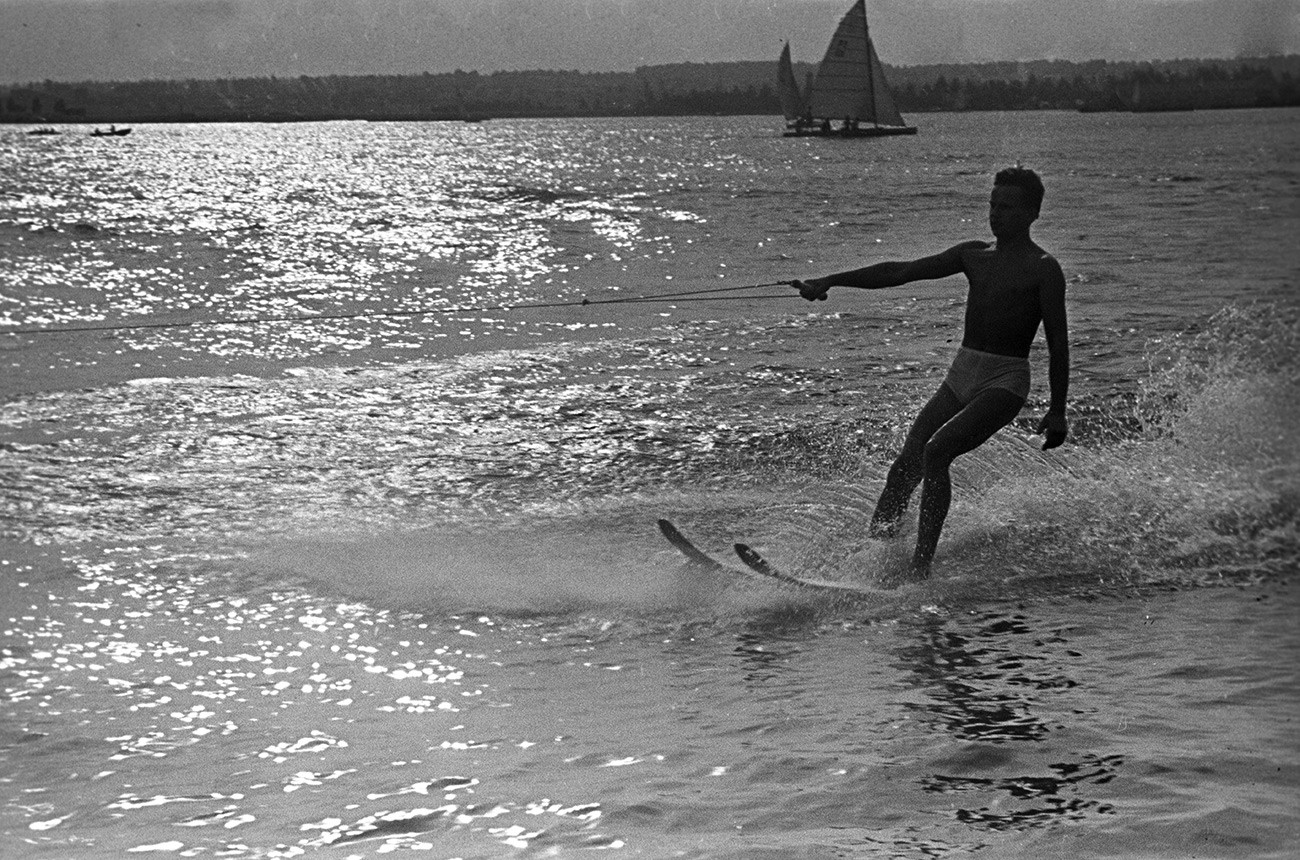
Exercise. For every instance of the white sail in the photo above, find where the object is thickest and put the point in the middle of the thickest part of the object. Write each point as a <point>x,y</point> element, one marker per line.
<point>884,109</point>
<point>793,103</point>
<point>850,82</point>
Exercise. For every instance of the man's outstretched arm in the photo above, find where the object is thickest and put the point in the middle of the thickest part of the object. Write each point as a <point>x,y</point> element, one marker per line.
<point>878,276</point>
<point>1052,300</point>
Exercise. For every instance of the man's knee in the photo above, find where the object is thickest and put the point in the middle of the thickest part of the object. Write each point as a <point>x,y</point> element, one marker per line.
<point>908,462</point>
<point>936,458</point>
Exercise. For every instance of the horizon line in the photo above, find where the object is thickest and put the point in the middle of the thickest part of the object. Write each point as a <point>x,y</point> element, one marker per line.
<point>1236,59</point>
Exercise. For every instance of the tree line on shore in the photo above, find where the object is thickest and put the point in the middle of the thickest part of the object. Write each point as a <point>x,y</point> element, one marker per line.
<point>744,88</point>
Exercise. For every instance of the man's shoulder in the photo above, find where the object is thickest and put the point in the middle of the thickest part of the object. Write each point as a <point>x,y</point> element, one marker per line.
<point>970,252</point>
<point>970,246</point>
<point>1046,256</point>
<point>1039,259</point>
<point>1049,276</point>
<point>949,261</point>
<point>1048,264</point>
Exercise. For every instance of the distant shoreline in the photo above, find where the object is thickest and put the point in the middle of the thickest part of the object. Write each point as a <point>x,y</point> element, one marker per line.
<point>688,89</point>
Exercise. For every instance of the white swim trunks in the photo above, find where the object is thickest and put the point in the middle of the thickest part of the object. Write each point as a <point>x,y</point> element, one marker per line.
<point>974,372</point>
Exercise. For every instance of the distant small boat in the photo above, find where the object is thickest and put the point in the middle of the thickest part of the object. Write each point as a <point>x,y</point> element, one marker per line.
<point>111,131</point>
<point>44,130</point>
<point>849,88</point>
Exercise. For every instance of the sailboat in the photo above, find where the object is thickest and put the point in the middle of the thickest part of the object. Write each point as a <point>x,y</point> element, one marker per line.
<point>850,88</point>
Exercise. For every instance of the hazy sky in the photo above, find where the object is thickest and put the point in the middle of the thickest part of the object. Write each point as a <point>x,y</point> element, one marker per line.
<point>133,39</point>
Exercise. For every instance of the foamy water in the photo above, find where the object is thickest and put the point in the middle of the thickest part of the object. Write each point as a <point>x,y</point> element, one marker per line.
<point>389,582</point>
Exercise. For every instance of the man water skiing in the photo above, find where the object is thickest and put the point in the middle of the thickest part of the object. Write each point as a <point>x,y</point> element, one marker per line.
<point>1014,286</point>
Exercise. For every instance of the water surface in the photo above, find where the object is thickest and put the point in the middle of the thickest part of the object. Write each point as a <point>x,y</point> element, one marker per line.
<point>331,531</point>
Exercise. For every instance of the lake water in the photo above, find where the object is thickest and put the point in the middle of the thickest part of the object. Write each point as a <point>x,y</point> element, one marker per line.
<point>331,454</point>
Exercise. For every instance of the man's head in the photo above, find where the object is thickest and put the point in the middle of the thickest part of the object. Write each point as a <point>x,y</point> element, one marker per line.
<point>1016,200</point>
<point>1026,180</point>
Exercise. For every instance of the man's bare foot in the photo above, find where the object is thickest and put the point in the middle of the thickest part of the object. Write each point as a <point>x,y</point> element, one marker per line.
<point>912,573</point>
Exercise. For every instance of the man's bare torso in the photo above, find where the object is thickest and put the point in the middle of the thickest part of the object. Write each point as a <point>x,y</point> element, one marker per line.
<point>1003,305</point>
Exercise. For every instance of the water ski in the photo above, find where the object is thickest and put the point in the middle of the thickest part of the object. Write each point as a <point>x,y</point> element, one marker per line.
<point>699,558</point>
<point>756,566</point>
<point>760,565</point>
<point>693,554</point>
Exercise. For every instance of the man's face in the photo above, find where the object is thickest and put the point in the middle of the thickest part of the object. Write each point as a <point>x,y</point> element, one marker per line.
<point>1009,211</point>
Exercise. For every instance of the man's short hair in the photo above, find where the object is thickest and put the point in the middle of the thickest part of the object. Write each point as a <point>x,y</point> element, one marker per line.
<point>1024,179</point>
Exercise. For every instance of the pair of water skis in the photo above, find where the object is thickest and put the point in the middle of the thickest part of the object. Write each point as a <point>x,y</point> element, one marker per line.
<point>758,567</point>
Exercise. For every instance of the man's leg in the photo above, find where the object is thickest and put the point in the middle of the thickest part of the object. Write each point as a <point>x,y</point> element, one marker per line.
<point>907,470</point>
<point>988,413</point>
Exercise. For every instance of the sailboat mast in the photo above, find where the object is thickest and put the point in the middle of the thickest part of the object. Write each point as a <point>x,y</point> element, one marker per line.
<point>871,80</point>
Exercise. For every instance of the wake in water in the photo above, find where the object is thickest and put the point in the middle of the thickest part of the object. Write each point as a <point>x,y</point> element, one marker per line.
<point>1204,487</point>
<point>1194,482</point>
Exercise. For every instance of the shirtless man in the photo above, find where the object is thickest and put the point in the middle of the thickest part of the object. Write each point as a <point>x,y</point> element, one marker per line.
<point>1014,286</point>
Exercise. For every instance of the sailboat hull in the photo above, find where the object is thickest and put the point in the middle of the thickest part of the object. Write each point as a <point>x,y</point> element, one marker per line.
<point>861,131</point>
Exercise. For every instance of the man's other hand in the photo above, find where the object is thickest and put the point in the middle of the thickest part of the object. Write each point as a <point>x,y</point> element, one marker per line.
<point>1055,428</point>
